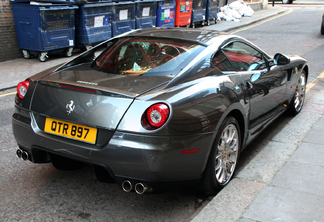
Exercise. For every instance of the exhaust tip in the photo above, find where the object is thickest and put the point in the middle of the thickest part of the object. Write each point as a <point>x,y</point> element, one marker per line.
<point>140,188</point>
<point>19,153</point>
<point>24,155</point>
<point>127,186</point>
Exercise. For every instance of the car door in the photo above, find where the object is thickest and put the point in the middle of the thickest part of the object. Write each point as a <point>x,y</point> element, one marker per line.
<point>264,86</point>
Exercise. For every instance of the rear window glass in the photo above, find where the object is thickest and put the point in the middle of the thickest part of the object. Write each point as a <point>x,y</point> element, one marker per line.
<point>145,56</point>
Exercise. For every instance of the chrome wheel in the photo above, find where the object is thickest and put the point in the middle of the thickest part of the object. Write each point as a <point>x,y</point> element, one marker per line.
<point>227,153</point>
<point>223,157</point>
<point>298,99</point>
<point>300,93</point>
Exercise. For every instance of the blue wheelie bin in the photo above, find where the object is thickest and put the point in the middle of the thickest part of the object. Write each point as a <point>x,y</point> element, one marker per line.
<point>145,13</point>
<point>44,28</point>
<point>123,18</point>
<point>166,13</point>
<point>212,10</point>
<point>93,23</point>
<point>198,12</point>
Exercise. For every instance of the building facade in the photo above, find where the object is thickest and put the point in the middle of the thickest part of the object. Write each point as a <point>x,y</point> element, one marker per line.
<point>8,37</point>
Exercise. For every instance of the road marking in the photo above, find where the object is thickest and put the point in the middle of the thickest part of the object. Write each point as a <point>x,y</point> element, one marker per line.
<point>8,94</point>
<point>252,26</point>
<point>311,84</point>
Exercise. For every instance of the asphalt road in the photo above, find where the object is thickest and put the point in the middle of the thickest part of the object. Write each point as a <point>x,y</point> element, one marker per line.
<point>40,192</point>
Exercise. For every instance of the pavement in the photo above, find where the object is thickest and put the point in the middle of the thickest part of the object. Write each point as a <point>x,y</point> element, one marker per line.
<point>283,182</point>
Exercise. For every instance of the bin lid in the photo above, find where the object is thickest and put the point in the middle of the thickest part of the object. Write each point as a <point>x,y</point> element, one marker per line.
<point>40,2</point>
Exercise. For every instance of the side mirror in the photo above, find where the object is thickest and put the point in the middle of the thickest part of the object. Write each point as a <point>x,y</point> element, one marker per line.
<point>281,59</point>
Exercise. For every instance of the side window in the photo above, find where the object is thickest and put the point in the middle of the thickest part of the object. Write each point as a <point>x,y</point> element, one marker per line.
<point>221,62</point>
<point>244,57</point>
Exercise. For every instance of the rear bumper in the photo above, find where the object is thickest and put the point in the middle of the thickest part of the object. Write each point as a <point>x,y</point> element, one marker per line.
<point>125,156</point>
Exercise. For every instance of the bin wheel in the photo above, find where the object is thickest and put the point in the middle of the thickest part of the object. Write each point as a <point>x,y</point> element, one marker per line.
<point>26,54</point>
<point>68,52</point>
<point>193,25</point>
<point>43,56</point>
<point>208,22</point>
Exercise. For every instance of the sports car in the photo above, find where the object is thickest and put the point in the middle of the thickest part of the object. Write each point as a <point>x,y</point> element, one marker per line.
<point>157,107</point>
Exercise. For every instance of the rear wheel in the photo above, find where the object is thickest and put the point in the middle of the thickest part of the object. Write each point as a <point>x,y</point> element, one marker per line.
<point>297,102</point>
<point>63,163</point>
<point>223,158</point>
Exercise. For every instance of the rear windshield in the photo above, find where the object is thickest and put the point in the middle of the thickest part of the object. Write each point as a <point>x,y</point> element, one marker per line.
<point>145,56</point>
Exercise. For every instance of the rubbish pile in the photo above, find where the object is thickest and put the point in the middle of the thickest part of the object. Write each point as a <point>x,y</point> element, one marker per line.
<point>235,11</point>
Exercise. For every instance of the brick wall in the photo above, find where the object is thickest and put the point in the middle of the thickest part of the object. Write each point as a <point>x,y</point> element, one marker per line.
<point>8,38</point>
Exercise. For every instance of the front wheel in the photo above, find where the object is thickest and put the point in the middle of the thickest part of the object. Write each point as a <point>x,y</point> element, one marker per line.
<point>298,100</point>
<point>223,158</point>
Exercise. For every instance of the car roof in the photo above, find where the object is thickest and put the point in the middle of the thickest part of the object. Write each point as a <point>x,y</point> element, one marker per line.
<point>201,36</point>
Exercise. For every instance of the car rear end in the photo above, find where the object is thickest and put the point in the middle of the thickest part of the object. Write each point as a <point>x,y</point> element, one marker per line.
<point>85,113</point>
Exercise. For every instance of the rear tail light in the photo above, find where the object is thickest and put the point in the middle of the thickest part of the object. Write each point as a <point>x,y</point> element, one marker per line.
<point>156,116</point>
<point>22,89</point>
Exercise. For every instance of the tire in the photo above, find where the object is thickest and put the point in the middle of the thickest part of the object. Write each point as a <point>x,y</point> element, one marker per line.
<point>298,99</point>
<point>223,157</point>
<point>63,163</point>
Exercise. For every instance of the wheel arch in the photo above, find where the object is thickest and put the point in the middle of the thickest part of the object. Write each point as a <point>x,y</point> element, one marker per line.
<point>236,110</point>
<point>240,119</point>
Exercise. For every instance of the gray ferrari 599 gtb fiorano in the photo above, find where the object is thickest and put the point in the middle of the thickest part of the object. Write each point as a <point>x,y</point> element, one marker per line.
<point>157,107</point>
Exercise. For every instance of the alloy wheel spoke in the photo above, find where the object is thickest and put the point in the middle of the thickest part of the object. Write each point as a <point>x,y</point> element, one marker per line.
<point>226,158</point>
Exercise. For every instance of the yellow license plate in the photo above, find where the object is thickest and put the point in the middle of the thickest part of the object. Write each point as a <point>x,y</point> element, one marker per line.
<point>71,130</point>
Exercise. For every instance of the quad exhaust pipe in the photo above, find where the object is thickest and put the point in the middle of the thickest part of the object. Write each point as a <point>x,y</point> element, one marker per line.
<point>127,186</point>
<point>22,154</point>
<point>140,188</point>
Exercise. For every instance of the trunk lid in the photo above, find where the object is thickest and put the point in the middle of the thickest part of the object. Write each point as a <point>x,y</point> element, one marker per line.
<point>84,96</point>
